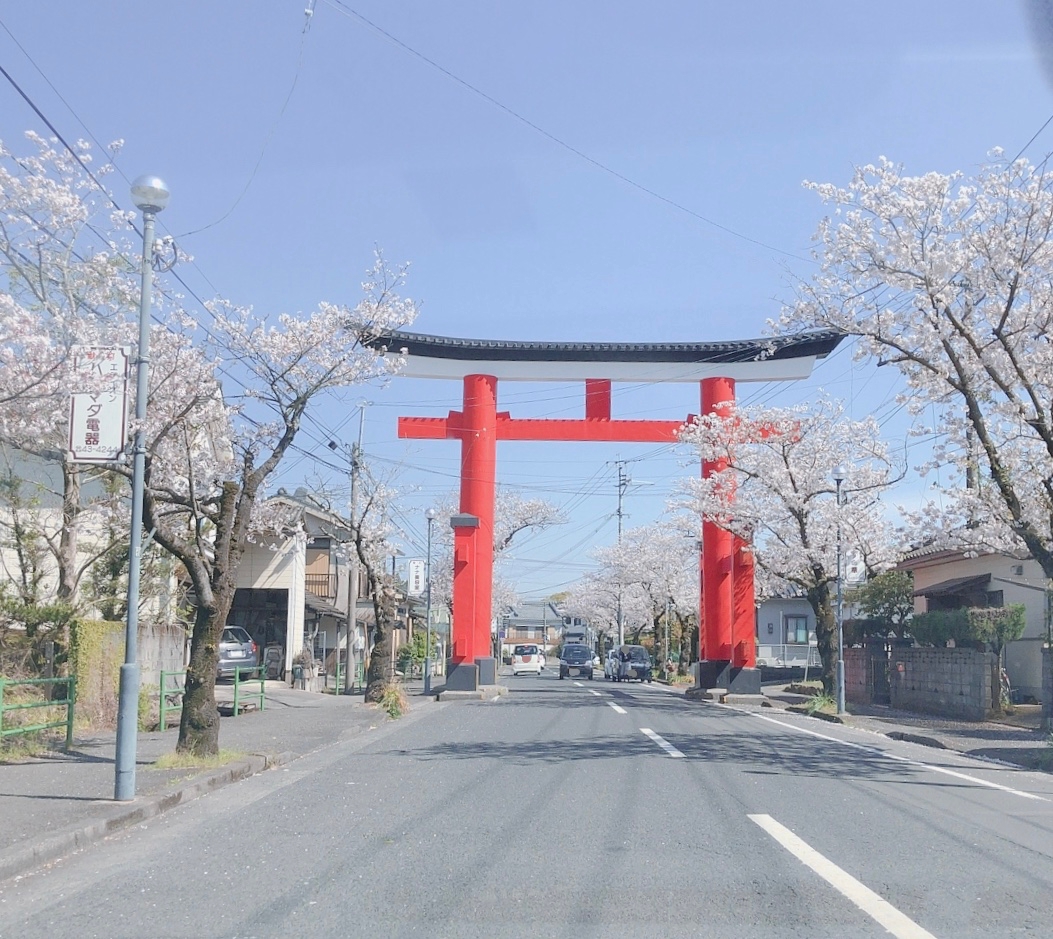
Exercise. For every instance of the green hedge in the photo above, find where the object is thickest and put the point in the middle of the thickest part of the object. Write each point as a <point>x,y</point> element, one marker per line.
<point>967,626</point>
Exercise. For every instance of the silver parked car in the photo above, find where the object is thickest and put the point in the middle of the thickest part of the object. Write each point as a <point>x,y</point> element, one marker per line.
<point>237,650</point>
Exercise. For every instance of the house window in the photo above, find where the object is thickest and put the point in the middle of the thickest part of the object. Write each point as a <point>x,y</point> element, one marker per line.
<point>995,598</point>
<point>797,629</point>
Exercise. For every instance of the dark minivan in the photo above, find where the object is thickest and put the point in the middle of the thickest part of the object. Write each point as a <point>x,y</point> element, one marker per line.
<point>575,661</point>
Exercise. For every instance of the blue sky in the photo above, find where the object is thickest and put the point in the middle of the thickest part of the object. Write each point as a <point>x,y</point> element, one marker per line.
<point>414,134</point>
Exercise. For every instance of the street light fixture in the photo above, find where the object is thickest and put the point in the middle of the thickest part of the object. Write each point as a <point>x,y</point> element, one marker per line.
<point>430,516</point>
<point>839,478</point>
<point>150,195</point>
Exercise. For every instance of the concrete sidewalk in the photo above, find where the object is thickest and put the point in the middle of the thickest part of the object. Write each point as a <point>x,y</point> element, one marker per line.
<point>1016,738</point>
<point>56,803</point>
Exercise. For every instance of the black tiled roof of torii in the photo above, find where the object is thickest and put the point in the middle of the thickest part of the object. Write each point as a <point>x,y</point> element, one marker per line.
<point>818,343</point>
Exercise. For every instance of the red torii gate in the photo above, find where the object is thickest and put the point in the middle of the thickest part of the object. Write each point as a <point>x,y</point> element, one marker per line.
<point>727,650</point>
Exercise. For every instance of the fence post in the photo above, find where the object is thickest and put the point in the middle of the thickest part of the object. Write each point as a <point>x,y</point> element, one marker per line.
<point>71,697</point>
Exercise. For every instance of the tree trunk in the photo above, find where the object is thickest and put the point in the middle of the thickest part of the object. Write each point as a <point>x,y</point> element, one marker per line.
<point>826,635</point>
<point>67,553</point>
<point>384,610</point>
<point>67,559</point>
<point>199,724</point>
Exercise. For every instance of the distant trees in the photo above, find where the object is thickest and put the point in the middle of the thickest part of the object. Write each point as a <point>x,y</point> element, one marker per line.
<point>652,572</point>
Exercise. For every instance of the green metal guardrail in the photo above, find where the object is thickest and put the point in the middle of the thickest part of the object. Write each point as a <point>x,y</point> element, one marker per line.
<point>243,696</point>
<point>68,701</point>
<point>359,681</point>
<point>175,691</point>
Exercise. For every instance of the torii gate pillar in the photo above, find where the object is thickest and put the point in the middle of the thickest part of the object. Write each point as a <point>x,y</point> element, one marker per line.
<point>726,636</point>
<point>471,663</point>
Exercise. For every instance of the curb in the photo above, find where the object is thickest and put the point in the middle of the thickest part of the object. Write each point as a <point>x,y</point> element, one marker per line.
<point>917,738</point>
<point>818,715</point>
<point>24,859</point>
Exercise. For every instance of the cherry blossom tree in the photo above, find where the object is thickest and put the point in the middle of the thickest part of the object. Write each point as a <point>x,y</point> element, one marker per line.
<point>656,566</point>
<point>209,459</point>
<point>947,278</point>
<point>778,492</point>
<point>67,279</point>
<point>228,392</point>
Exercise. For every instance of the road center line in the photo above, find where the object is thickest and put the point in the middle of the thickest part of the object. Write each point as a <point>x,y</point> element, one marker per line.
<point>662,742</point>
<point>592,691</point>
<point>878,909</point>
<point>893,756</point>
<point>579,684</point>
<point>617,707</point>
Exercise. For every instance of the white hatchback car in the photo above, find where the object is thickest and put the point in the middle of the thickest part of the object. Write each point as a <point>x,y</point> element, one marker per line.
<point>527,658</point>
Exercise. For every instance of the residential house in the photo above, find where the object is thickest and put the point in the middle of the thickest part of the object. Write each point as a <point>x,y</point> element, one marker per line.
<point>537,621</point>
<point>292,589</point>
<point>951,579</point>
<point>786,633</point>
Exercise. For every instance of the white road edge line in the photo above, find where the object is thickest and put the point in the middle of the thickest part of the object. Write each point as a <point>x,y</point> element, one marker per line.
<point>663,743</point>
<point>878,909</point>
<point>893,756</point>
<point>617,707</point>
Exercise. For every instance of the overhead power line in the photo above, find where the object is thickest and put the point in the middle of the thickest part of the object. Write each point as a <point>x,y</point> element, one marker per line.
<point>350,12</point>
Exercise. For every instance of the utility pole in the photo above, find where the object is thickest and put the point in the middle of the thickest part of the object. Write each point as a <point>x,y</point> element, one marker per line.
<point>665,658</point>
<point>352,558</point>
<point>623,484</point>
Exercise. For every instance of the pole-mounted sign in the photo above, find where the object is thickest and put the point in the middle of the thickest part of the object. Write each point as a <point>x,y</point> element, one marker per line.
<point>98,410</point>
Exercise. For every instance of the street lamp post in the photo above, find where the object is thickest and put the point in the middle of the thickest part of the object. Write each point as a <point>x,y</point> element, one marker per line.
<point>150,195</point>
<point>839,478</point>
<point>430,516</point>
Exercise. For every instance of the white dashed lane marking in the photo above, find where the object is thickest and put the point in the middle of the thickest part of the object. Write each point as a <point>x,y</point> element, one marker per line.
<point>881,911</point>
<point>662,742</point>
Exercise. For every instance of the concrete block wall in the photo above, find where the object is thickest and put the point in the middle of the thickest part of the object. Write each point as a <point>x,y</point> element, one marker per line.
<point>859,680</point>
<point>955,683</point>
<point>1047,689</point>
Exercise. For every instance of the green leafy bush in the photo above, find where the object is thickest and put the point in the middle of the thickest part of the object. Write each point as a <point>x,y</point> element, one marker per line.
<point>394,701</point>
<point>966,626</point>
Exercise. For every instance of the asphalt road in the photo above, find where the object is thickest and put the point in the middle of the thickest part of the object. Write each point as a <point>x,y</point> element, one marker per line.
<point>581,809</point>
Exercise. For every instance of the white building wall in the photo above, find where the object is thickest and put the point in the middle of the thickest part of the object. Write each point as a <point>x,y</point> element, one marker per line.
<point>297,599</point>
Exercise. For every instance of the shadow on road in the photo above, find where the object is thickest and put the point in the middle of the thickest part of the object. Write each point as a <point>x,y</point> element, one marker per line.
<point>783,755</point>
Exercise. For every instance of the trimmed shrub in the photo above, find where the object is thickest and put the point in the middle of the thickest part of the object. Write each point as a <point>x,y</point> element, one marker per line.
<point>966,626</point>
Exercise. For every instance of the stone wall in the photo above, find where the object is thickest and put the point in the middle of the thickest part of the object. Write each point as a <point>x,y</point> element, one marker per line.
<point>955,683</point>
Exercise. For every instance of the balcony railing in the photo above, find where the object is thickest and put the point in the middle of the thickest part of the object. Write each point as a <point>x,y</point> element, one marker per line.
<point>321,585</point>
